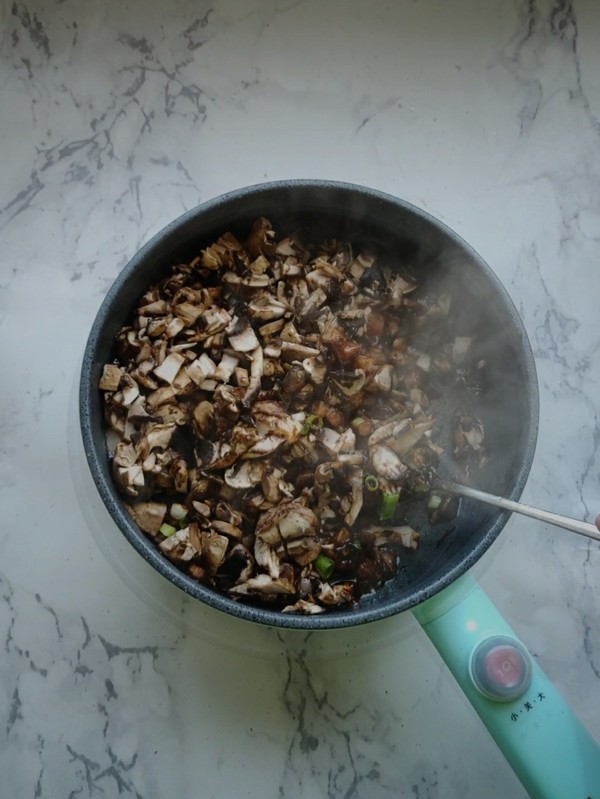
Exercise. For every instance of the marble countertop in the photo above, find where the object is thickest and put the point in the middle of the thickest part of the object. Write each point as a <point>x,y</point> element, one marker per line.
<point>116,117</point>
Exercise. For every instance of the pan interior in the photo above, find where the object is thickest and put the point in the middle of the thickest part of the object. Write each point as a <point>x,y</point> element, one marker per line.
<point>404,237</point>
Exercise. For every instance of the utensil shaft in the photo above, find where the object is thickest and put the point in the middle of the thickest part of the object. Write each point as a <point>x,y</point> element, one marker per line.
<point>574,525</point>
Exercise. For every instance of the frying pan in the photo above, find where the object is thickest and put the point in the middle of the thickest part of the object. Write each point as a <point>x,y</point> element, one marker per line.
<point>548,748</point>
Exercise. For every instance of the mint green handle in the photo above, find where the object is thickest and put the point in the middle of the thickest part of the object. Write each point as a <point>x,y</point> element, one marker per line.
<point>550,751</point>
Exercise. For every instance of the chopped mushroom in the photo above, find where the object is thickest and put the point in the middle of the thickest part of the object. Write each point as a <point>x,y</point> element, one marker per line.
<point>241,335</point>
<point>273,405</point>
<point>244,475</point>
<point>264,585</point>
<point>111,377</point>
<point>169,368</point>
<point>148,515</point>
<point>386,463</point>
<point>183,545</point>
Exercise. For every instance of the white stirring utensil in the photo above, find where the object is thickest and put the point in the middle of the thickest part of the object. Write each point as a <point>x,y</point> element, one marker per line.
<point>574,525</point>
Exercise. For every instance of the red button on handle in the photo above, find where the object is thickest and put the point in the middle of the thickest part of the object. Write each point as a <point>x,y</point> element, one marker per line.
<point>504,666</point>
<point>500,668</point>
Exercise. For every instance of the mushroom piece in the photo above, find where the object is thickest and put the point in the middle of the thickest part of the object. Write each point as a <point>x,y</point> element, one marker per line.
<point>137,412</point>
<point>161,396</point>
<point>214,320</point>
<point>404,535</point>
<point>409,437</point>
<point>397,287</point>
<point>246,474</point>
<point>130,479</point>
<point>267,558</point>
<point>175,327</point>
<point>313,302</point>
<point>353,385</point>
<point>201,369</point>
<point>266,445</point>
<point>290,333</point>
<point>303,550</point>
<point>226,513</point>
<point>468,436</point>
<point>228,529</point>
<point>214,547</point>
<point>252,281</point>
<point>241,377</point>
<point>305,607</point>
<point>338,594</point>
<point>126,454</point>
<point>382,380</point>
<point>271,419</point>
<point>183,545</point>
<point>260,240</point>
<point>388,430</point>
<point>241,335</point>
<point>179,471</point>
<point>226,367</point>
<point>129,389</point>
<point>294,380</point>
<point>297,352</point>
<point>265,307</point>
<point>148,516</point>
<point>264,585</point>
<point>157,436</point>
<point>354,476</point>
<point>187,314</point>
<point>256,374</point>
<point>287,521</point>
<point>226,410</point>
<point>111,377</point>
<point>336,443</point>
<point>315,368</point>
<point>168,369</point>
<point>386,463</point>
<point>270,486</point>
<point>203,416</point>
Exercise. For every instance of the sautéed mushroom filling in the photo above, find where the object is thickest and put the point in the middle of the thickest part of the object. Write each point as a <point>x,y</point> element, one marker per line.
<point>271,404</point>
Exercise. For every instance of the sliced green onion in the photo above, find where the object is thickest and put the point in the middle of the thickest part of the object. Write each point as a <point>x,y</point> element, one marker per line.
<point>323,566</point>
<point>312,422</point>
<point>434,502</point>
<point>388,506</point>
<point>167,529</point>
<point>371,482</point>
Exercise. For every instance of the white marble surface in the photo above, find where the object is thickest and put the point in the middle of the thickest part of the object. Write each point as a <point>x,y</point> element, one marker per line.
<point>115,118</point>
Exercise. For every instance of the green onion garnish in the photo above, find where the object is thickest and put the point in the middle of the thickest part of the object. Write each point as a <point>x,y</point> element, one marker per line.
<point>434,502</point>
<point>167,529</point>
<point>323,566</point>
<point>312,422</point>
<point>371,482</point>
<point>388,506</point>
